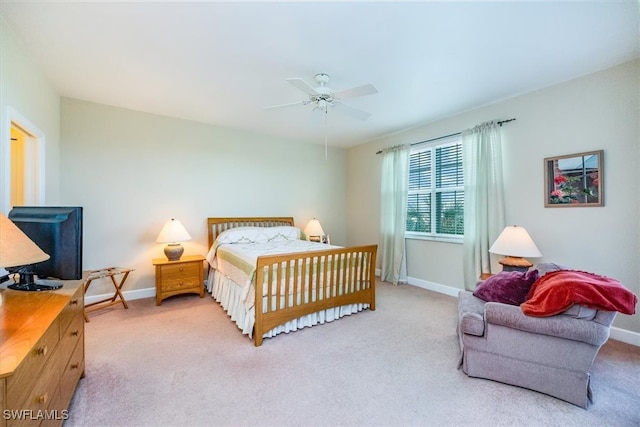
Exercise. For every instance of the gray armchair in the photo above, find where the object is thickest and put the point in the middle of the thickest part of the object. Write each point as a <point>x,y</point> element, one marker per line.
<point>551,355</point>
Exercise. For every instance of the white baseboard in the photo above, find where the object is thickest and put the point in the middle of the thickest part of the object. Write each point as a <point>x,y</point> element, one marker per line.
<point>618,334</point>
<point>436,287</point>
<point>128,295</point>
<point>625,335</point>
<point>431,286</point>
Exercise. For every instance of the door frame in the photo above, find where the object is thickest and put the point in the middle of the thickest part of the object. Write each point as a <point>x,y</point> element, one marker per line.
<point>34,160</point>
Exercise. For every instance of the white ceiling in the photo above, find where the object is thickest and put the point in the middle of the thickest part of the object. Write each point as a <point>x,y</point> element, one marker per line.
<point>222,62</point>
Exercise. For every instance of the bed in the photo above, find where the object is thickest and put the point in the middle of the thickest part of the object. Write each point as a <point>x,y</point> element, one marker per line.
<point>270,280</point>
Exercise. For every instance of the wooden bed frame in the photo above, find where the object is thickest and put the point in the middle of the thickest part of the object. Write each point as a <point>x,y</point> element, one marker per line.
<point>338,277</point>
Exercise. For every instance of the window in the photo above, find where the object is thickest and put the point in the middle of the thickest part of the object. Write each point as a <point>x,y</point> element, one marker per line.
<point>435,204</point>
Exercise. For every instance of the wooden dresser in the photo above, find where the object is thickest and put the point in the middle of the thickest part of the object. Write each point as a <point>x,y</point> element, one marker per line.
<point>41,354</point>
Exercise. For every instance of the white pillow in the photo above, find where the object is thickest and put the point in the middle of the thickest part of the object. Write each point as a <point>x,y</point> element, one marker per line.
<point>239,235</point>
<point>258,234</point>
<point>278,234</point>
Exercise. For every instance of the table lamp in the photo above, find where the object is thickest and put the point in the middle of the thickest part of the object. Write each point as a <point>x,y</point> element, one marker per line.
<point>173,232</point>
<point>314,231</point>
<point>16,249</point>
<point>515,243</point>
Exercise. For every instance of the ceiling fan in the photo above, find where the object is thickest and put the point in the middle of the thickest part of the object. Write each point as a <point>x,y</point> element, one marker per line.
<point>323,97</point>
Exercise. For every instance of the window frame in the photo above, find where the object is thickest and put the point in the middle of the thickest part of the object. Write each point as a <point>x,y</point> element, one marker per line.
<point>433,190</point>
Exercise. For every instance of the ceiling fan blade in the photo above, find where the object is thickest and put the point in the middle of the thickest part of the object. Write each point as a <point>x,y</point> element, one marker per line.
<point>356,91</point>
<point>291,104</point>
<point>350,111</point>
<point>303,86</point>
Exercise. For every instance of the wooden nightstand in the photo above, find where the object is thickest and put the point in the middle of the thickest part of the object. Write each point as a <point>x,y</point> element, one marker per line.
<point>485,276</point>
<point>185,276</point>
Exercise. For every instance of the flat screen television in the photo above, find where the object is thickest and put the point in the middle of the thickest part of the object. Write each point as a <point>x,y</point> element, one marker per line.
<point>57,230</point>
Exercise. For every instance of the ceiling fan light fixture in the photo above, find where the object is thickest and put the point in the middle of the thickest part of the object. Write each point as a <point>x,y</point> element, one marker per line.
<point>322,97</point>
<point>322,78</point>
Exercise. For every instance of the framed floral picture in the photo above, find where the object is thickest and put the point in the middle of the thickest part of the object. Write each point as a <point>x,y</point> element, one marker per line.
<point>574,180</point>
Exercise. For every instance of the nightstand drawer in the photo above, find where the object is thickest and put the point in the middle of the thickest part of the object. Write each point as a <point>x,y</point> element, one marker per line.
<point>174,272</point>
<point>170,285</point>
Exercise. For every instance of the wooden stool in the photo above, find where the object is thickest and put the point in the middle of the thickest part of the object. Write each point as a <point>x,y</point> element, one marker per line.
<point>117,297</point>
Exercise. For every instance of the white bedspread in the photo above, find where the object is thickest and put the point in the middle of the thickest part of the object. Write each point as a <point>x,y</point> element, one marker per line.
<point>237,261</point>
<point>233,259</point>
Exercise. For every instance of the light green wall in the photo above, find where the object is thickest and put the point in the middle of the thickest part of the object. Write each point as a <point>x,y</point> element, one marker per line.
<point>598,111</point>
<point>133,171</point>
<point>26,93</point>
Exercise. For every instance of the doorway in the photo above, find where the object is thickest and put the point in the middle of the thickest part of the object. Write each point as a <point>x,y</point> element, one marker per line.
<point>23,164</point>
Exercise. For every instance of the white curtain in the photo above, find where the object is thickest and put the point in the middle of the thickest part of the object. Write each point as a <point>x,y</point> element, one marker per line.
<point>393,213</point>
<point>484,216</point>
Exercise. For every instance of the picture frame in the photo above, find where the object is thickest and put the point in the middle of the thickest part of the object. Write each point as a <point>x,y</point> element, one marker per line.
<point>574,180</point>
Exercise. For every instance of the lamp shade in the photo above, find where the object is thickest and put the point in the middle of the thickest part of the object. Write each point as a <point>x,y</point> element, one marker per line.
<point>515,241</point>
<point>314,228</point>
<point>16,249</point>
<point>173,231</point>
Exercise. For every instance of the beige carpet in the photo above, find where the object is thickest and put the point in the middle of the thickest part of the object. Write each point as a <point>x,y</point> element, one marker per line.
<point>186,364</point>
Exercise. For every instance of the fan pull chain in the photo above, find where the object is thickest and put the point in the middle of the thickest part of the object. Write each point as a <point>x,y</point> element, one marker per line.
<point>325,136</point>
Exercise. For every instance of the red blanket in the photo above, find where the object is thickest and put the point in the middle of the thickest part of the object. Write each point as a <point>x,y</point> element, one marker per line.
<point>555,292</point>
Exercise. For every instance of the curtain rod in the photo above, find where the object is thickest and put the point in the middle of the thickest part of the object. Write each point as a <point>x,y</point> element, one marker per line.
<point>448,136</point>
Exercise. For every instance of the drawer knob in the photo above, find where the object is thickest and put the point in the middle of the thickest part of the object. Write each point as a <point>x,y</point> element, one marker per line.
<point>75,333</point>
<point>74,302</point>
<point>181,283</point>
<point>44,398</point>
<point>74,366</point>
<point>181,268</point>
<point>42,351</point>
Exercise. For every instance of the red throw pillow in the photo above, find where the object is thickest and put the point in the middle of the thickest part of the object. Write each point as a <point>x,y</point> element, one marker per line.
<point>507,287</point>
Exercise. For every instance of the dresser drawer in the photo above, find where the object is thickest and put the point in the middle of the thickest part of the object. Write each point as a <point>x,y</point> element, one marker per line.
<point>71,375</point>
<point>73,309</point>
<point>21,382</point>
<point>44,391</point>
<point>3,402</point>
<point>71,336</point>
